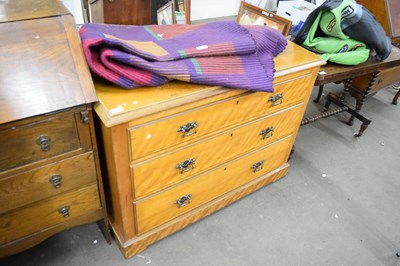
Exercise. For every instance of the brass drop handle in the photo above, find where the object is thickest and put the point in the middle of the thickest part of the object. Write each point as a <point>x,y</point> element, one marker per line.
<point>186,165</point>
<point>268,132</point>
<point>64,211</point>
<point>55,180</point>
<point>276,99</point>
<point>183,201</point>
<point>188,129</point>
<point>44,142</point>
<point>257,166</point>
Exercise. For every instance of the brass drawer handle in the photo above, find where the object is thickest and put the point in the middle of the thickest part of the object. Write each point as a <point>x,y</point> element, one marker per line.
<point>276,99</point>
<point>44,142</point>
<point>64,211</point>
<point>55,180</point>
<point>268,132</point>
<point>183,201</point>
<point>188,129</point>
<point>186,165</point>
<point>257,166</point>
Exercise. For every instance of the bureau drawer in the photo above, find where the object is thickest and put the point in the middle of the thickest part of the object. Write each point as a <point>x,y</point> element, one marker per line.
<point>31,140</point>
<point>163,207</point>
<point>40,183</point>
<point>48,213</point>
<point>160,134</point>
<point>162,172</point>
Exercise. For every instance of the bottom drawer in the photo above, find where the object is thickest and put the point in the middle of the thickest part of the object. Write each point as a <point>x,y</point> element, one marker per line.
<point>47,213</point>
<point>167,205</point>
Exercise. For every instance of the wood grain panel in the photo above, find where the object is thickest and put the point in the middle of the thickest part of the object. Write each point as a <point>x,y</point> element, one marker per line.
<point>36,217</point>
<point>19,146</point>
<point>154,211</point>
<point>128,12</point>
<point>41,74</point>
<point>35,185</point>
<point>163,133</point>
<point>25,9</point>
<point>135,245</point>
<point>161,172</point>
<point>118,179</point>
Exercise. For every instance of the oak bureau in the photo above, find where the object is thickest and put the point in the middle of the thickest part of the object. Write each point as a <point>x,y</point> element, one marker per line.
<point>177,153</point>
<point>49,169</point>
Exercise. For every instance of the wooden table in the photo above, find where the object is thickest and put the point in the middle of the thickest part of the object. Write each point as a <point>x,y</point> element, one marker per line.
<point>360,81</point>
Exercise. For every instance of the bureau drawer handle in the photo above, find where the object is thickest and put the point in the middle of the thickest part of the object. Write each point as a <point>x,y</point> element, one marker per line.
<point>44,142</point>
<point>55,180</point>
<point>257,166</point>
<point>268,132</point>
<point>183,201</point>
<point>186,165</point>
<point>64,211</point>
<point>276,99</point>
<point>188,129</point>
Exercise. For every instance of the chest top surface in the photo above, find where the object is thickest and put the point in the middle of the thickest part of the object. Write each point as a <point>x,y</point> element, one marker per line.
<point>117,105</point>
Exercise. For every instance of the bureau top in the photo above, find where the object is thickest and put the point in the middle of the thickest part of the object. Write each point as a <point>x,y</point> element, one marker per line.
<point>117,105</point>
<point>42,66</point>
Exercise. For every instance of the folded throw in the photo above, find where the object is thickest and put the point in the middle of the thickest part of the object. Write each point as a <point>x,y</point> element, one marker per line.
<point>217,53</point>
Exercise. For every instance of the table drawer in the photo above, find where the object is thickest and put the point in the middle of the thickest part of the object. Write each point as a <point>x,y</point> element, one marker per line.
<point>47,213</point>
<point>40,183</point>
<point>158,173</point>
<point>385,78</point>
<point>163,207</point>
<point>25,142</point>
<point>157,135</point>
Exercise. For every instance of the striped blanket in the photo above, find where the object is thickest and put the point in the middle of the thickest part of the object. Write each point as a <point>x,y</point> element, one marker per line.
<point>218,53</point>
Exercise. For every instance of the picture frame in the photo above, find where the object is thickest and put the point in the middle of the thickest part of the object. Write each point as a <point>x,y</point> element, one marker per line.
<point>166,14</point>
<point>253,15</point>
<point>182,11</point>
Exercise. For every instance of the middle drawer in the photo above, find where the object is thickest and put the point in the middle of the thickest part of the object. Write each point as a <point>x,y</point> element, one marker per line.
<point>43,182</point>
<point>163,171</point>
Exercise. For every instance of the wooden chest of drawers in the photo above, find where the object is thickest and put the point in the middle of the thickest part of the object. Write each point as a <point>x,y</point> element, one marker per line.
<point>179,152</point>
<point>49,167</point>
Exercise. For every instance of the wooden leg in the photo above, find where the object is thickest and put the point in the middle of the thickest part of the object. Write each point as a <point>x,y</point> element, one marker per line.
<point>327,103</point>
<point>359,105</point>
<point>353,112</point>
<point>396,97</point>
<point>320,90</point>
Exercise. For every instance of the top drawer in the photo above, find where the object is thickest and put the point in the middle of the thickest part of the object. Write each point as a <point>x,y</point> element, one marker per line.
<point>39,138</point>
<point>187,126</point>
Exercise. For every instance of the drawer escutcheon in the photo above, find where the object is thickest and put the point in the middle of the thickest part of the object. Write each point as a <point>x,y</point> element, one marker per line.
<point>186,165</point>
<point>276,99</point>
<point>188,129</point>
<point>44,142</point>
<point>257,166</point>
<point>268,132</point>
<point>55,180</point>
<point>64,211</point>
<point>183,201</point>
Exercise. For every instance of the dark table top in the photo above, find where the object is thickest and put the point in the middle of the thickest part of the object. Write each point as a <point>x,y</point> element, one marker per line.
<point>333,72</point>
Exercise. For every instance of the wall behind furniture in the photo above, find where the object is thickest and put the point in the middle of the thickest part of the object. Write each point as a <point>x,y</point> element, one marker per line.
<point>204,9</point>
